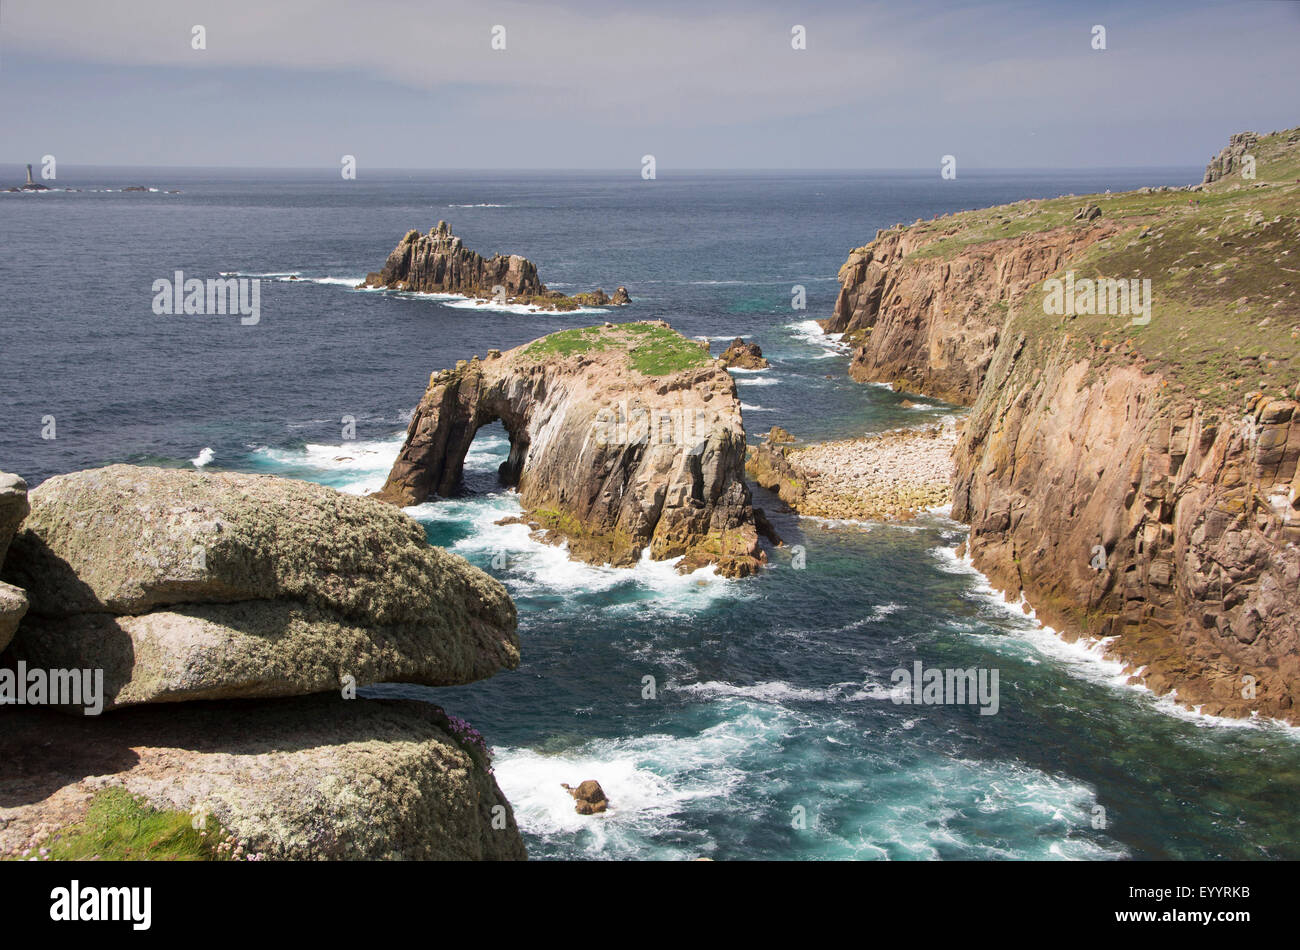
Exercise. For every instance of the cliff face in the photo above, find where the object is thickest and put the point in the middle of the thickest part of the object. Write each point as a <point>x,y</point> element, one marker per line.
<point>621,438</point>
<point>1133,476</point>
<point>1121,514</point>
<point>932,326</point>
<point>1229,160</point>
<point>438,262</point>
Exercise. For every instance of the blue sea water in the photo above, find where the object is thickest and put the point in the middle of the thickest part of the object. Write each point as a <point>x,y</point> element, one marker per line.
<point>772,731</point>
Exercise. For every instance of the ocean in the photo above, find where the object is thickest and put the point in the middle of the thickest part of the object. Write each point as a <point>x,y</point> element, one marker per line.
<point>731,719</point>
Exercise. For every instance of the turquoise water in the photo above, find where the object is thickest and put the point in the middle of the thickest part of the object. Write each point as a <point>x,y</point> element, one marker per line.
<point>772,731</point>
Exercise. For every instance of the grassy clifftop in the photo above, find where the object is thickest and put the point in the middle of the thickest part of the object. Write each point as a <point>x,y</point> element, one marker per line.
<point>1223,260</point>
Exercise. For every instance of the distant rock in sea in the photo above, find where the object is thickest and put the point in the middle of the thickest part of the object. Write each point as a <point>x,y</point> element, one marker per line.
<point>439,263</point>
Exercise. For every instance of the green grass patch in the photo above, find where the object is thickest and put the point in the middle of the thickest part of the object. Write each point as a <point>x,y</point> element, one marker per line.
<point>651,350</point>
<point>568,342</point>
<point>121,827</point>
<point>661,351</point>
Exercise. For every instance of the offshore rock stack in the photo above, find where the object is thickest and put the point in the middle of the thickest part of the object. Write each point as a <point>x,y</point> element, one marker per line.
<point>439,263</point>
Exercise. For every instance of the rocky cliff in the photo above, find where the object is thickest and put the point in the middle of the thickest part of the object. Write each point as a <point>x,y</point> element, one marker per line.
<point>243,602</point>
<point>932,326</point>
<point>1131,472</point>
<point>1230,159</point>
<point>622,438</point>
<point>439,263</point>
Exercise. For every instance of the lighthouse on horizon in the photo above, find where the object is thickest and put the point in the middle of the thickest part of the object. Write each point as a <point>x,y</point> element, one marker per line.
<point>31,184</point>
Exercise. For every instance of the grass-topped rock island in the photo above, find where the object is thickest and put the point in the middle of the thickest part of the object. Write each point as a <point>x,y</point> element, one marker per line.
<point>622,438</point>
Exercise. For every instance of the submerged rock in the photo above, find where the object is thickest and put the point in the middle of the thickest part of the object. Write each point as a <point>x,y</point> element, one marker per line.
<point>622,438</point>
<point>192,585</point>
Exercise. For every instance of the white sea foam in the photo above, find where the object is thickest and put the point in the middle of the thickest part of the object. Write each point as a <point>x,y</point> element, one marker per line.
<point>296,277</point>
<point>810,332</point>
<point>651,782</point>
<point>339,281</point>
<point>470,303</point>
<point>772,692</point>
<point>204,457</point>
<point>531,567</point>
<point>357,467</point>
<point>759,381</point>
<point>924,806</point>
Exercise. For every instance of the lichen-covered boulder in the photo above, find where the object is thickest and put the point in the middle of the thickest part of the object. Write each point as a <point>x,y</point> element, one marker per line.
<point>193,585</point>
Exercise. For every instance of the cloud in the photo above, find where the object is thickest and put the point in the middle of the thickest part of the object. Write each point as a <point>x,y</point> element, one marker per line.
<point>586,84</point>
<point>638,64</point>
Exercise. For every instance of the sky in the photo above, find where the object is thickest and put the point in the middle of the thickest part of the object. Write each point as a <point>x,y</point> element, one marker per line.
<point>599,85</point>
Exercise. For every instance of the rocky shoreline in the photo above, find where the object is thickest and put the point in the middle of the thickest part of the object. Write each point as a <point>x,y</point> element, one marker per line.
<point>892,476</point>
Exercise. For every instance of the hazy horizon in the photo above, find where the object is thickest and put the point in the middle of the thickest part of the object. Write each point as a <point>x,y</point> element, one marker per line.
<point>332,171</point>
